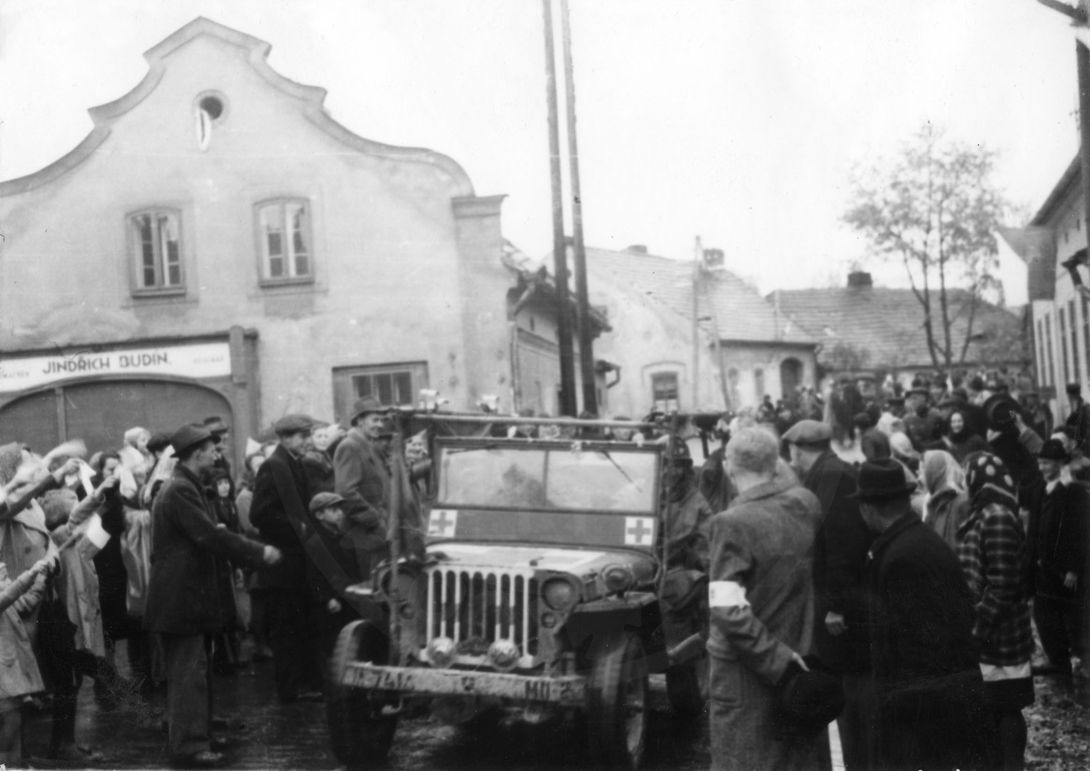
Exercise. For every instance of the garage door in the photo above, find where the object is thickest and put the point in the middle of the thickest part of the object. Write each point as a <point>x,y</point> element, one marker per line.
<point>100,413</point>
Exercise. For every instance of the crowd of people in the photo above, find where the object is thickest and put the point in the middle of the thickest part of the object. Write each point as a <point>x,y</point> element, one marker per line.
<point>920,577</point>
<point>161,546</point>
<point>910,578</point>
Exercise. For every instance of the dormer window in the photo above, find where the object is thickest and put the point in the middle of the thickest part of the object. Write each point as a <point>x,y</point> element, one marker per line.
<point>210,110</point>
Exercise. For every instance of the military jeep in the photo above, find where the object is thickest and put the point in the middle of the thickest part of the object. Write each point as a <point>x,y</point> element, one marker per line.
<point>544,591</point>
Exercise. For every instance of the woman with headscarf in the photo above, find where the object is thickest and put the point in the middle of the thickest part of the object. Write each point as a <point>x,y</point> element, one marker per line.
<point>959,439</point>
<point>992,552</point>
<point>947,503</point>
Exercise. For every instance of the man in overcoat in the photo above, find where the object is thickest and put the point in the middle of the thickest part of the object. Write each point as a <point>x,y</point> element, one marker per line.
<point>840,555</point>
<point>761,601</point>
<point>362,477</point>
<point>188,599</point>
<point>923,660</point>
<point>279,512</point>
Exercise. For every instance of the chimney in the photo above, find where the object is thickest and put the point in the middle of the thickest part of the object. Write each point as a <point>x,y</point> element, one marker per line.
<point>636,249</point>
<point>858,279</point>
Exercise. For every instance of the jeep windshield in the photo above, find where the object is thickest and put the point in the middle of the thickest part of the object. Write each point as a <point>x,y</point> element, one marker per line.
<point>561,478</point>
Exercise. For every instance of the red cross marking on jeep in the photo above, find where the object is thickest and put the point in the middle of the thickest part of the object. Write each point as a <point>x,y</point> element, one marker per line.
<point>440,522</point>
<point>638,532</point>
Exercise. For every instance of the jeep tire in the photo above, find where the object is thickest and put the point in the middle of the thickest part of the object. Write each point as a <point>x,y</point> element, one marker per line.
<point>617,701</point>
<point>358,731</point>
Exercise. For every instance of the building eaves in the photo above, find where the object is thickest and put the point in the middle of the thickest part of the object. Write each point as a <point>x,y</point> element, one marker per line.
<point>311,99</point>
<point>1071,177</point>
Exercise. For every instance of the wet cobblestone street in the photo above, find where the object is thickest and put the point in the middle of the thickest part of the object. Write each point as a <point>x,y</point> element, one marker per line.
<point>275,735</point>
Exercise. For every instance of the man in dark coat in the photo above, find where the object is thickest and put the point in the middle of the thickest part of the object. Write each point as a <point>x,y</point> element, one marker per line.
<point>1058,547</point>
<point>279,512</point>
<point>188,600</point>
<point>930,712</point>
<point>840,554</point>
<point>1078,420</point>
<point>361,473</point>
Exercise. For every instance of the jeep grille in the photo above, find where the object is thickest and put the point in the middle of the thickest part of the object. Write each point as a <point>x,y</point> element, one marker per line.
<point>475,607</point>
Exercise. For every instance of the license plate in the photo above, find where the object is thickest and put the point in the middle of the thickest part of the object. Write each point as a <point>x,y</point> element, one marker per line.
<point>568,690</point>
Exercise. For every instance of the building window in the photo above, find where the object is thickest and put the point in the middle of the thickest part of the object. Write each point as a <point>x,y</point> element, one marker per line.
<point>759,384</point>
<point>285,241</point>
<point>394,385</point>
<point>1042,371</point>
<point>1048,350</point>
<point>1062,333</point>
<point>155,236</point>
<point>664,391</point>
<point>1073,318</point>
<point>210,109</point>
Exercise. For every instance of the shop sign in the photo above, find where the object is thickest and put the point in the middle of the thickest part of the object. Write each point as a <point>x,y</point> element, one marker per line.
<point>200,360</point>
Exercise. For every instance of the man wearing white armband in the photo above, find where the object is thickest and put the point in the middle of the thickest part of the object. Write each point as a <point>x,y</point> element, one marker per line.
<point>762,603</point>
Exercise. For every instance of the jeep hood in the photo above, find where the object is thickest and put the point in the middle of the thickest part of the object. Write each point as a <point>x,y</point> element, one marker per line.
<point>579,562</point>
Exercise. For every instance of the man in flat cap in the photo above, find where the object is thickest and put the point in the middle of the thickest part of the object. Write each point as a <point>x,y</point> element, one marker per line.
<point>840,553</point>
<point>189,597</point>
<point>362,477</point>
<point>279,512</point>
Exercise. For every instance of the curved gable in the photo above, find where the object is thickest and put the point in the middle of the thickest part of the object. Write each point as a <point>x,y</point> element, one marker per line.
<point>311,99</point>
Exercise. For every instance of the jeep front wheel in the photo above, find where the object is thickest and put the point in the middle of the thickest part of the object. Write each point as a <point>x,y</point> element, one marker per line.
<point>359,732</point>
<point>618,701</point>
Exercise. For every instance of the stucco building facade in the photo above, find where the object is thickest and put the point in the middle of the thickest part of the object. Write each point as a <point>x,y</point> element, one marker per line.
<point>218,244</point>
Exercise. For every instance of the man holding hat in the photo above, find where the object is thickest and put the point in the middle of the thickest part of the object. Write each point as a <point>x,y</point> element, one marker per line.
<point>761,604</point>
<point>922,657</point>
<point>361,473</point>
<point>279,512</point>
<point>189,597</point>
<point>840,553</point>
<point>1058,556</point>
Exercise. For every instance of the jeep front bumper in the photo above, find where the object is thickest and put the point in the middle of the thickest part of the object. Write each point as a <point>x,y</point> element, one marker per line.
<point>567,690</point>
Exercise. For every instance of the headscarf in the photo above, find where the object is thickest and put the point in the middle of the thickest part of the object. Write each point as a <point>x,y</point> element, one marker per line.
<point>963,434</point>
<point>940,472</point>
<point>989,482</point>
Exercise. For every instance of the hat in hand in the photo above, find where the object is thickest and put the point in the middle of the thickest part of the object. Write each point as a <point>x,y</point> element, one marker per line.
<point>807,701</point>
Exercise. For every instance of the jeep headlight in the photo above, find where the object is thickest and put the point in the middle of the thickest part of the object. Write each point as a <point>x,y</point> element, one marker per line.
<point>618,578</point>
<point>441,652</point>
<point>504,654</point>
<point>559,593</point>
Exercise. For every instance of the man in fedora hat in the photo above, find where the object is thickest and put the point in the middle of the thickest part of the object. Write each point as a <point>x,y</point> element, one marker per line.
<point>921,614</point>
<point>1058,557</point>
<point>189,597</point>
<point>362,477</point>
<point>761,603</point>
<point>279,512</point>
<point>840,552</point>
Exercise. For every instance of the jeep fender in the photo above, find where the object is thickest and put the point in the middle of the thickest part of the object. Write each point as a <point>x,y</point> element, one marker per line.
<point>636,611</point>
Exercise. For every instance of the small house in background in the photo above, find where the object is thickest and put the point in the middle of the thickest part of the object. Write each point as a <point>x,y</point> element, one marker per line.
<point>867,331</point>
<point>692,336</point>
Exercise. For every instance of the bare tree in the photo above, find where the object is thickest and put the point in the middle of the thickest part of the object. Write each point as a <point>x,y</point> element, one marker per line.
<point>934,208</point>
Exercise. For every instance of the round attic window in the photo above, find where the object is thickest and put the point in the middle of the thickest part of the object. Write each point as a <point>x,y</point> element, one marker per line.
<point>212,106</point>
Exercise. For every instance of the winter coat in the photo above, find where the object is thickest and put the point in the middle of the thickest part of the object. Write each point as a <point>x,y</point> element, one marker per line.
<point>1058,542</point>
<point>186,593</point>
<point>281,496</point>
<point>840,553</point>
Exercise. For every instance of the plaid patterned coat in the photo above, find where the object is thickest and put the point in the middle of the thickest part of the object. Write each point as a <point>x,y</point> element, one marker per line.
<point>992,552</point>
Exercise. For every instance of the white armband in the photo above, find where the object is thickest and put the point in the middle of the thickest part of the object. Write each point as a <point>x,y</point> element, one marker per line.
<point>727,594</point>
